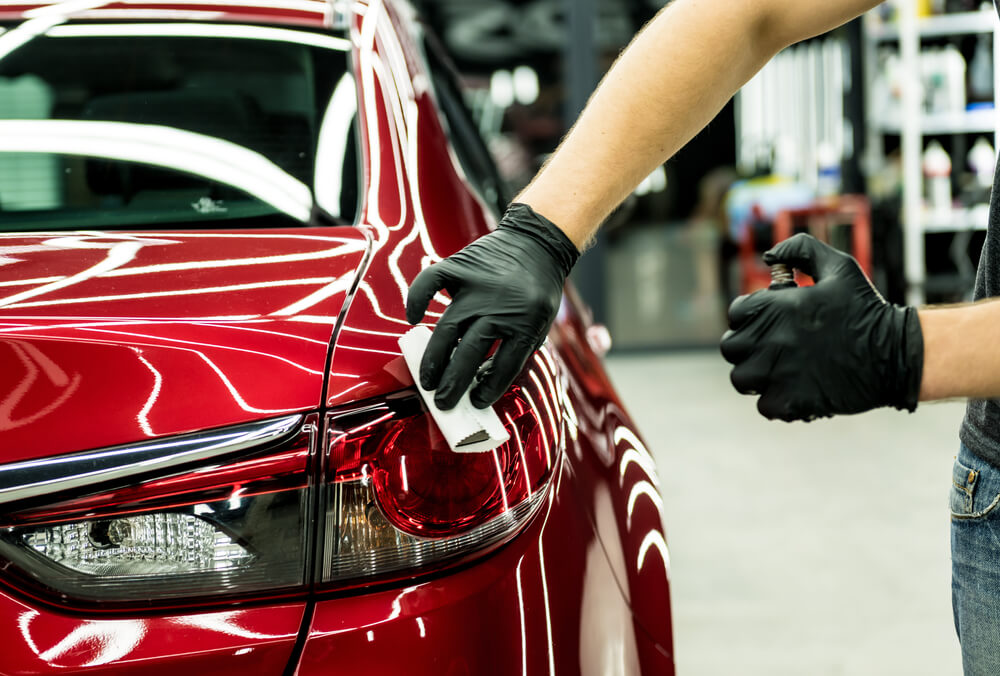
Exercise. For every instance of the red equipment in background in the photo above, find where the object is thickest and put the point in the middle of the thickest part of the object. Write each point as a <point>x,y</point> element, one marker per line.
<point>819,220</point>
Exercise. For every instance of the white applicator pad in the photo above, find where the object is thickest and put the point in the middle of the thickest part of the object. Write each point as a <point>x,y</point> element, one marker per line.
<point>466,428</point>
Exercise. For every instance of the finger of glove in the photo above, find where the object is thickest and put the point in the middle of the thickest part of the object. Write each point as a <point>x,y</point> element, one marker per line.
<point>753,375</point>
<point>778,404</point>
<point>806,253</point>
<point>439,348</point>
<point>508,362</point>
<point>424,287</point>
<point>464,363</point>
<point>745,308</point>
<point>737,346</point>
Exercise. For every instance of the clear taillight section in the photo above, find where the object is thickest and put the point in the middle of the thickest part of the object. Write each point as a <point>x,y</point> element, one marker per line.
<point>235,529</point>
<point>378,497</point>
<point>145,544</point>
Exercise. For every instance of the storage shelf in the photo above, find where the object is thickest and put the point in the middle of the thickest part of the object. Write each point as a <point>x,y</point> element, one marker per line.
<point>943,25</point>
<point>974,218</point>
<point>969,122</point>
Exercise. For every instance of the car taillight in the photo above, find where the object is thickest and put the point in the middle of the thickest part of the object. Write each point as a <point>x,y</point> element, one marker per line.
<point>233,529</point>
<point>400,500</point>
<point>251,511</point>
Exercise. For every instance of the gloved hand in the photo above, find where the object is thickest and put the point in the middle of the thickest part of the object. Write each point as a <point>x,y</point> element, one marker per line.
<point>506,286</point>
<point>833,348</point>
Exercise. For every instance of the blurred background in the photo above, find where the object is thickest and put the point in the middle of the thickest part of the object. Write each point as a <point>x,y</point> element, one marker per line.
<point>818,549</point>
<point>878,138</point>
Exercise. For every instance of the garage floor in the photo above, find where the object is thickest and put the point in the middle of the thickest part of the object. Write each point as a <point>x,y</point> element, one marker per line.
<point>799,550</point>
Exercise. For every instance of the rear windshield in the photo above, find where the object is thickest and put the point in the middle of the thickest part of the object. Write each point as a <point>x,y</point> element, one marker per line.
<point>171,125</point>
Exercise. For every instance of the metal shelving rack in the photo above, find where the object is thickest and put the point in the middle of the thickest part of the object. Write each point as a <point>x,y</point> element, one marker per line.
<point>914,125</point>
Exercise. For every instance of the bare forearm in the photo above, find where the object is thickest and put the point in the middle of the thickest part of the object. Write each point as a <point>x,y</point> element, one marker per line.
<point>671,81</point>
<point>961,355</point>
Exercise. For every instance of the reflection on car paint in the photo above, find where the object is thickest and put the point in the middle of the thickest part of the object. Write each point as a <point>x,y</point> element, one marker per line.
<point>162,331</point>
<point>103,641</point>
<point>35,363</point>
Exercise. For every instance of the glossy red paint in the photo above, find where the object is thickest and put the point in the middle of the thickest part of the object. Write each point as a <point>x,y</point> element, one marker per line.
<point>112,338</point>
<point>38,641</point>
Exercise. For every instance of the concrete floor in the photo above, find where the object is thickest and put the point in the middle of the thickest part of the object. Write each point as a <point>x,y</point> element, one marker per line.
<point>799,550</point>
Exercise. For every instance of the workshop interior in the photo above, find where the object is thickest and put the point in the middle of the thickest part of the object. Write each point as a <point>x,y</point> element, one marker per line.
<point>877,138</point>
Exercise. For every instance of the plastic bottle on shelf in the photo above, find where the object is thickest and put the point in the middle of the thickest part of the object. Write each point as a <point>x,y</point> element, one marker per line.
<point>828,182</point>
<point>981,70</point>
<point>937,176</point>
<point>982,158</point>
<point>943,75</point>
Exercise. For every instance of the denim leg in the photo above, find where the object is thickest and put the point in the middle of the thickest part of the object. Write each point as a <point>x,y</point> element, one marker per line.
<point>975,555</point>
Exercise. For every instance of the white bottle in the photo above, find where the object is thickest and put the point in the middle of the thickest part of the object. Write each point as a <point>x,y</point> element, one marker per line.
<point>828,170</point>
<point>982,159</point>
<point>937,176</point>
<point>981,70</point>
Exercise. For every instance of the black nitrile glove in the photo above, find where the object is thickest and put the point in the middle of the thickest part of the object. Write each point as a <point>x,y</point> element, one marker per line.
<point>833,348</point>
<point>505,286</point>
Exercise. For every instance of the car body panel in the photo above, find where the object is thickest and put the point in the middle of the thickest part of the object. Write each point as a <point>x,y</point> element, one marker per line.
<point>169,331</point>
<point>38,640</point>
<point>546,603</point>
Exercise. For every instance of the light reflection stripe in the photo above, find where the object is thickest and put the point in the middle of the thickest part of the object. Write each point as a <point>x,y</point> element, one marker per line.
<point>162,146</point>
<point>179,292</point>
<point>315,298</point>
<point>331,149</point>
<point>147,429</point>
<point>230,348</point>
<point>118,255</point>
<point>645,463</point>
<point>654,538</point>
<point>296,5</point>
<point>543,395</point>
<point>280,334</point>
<point>147,14</point>
<point>237,262</point>
<point>237,397</point>
<point>520,606</point>
<point>625,434</point>
<point>640,489</point>
<point>201,30</point>
<point>548,612</point>
<point>520,451</point>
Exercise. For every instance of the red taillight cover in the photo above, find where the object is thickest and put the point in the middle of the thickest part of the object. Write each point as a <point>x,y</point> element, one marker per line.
<point>427,490</point>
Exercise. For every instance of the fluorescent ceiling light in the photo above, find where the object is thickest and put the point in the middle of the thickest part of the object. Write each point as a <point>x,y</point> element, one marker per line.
<point>167,147</point>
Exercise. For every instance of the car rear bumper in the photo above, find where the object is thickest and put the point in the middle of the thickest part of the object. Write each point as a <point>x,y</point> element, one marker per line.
<point>547,603</point>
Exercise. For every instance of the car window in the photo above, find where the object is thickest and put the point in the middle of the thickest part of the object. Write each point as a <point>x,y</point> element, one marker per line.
<point>469,146</point>
<point>164,124</point>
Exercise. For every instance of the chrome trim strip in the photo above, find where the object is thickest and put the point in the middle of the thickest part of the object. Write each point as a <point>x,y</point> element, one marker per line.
<point>33,478</point>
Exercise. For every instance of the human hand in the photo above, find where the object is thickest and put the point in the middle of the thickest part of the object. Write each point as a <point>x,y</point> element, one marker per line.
<point>834,348</point>
<point>505,286</point>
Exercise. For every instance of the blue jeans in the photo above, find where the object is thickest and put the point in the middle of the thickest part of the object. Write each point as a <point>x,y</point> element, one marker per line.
<point>975,562</point>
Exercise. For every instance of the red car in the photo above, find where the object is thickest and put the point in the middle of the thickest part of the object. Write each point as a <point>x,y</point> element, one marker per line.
<point>213,459</point>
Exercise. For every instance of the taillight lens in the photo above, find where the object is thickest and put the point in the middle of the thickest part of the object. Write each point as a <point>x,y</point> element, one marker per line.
<point>400,500</point>
<point>233,529</point>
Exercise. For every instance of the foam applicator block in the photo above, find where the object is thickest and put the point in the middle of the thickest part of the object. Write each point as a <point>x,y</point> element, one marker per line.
<point>467,429</point>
